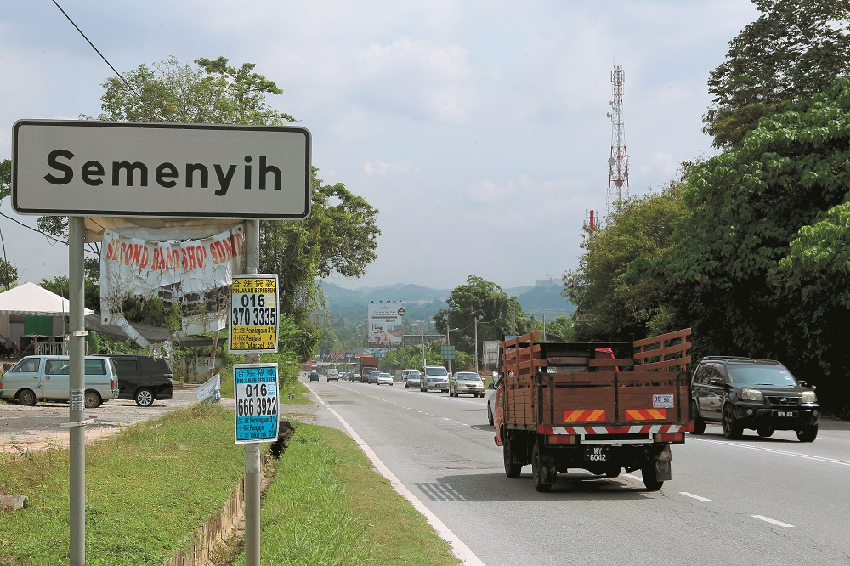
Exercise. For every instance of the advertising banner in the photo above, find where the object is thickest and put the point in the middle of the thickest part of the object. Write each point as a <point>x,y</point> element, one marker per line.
<point>385,324</point>
<point>195,274</point>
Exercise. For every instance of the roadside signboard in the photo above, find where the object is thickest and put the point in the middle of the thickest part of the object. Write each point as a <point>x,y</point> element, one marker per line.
<point>253,314</point>
<point>448,352</point>
<point>122,169</point>
<point>257,403</point>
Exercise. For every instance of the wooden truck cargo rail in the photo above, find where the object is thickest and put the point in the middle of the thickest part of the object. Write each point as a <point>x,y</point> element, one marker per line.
<point>589,389</point>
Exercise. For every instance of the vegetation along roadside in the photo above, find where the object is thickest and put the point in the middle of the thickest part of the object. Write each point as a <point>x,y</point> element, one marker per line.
<point>151,485</point>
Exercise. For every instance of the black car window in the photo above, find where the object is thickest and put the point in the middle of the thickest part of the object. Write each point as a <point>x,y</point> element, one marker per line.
<point>776,376</point>
<point>701,374</point>
<point>714,372</point>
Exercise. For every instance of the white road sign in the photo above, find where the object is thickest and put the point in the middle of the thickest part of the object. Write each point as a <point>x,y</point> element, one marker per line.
<point>257,403</point>
<point>89,168</point>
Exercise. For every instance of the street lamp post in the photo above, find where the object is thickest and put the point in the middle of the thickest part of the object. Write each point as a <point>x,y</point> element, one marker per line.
<point>476,345</point>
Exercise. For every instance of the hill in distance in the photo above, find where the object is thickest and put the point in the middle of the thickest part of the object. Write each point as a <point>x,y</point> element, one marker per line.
<point>424,302</point>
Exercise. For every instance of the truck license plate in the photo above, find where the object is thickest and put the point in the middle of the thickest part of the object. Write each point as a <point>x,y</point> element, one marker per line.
<point>786,413</point>
<point>596,454</point>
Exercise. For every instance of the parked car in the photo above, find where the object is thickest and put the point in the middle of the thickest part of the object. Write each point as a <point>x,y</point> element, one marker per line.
<point>384,379</point>
<point>745,393</point>
<point>435,377</point>
<point>332,375</point>
<point>47,378</point>
<point>411,377</point>
<point>143,378</point>
<point>466,382</point>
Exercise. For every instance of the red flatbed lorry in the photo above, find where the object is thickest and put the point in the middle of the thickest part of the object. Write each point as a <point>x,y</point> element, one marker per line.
<point>602,407</point>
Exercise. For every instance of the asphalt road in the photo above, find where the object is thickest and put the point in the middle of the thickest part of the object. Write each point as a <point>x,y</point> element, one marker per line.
<point>754,501</point>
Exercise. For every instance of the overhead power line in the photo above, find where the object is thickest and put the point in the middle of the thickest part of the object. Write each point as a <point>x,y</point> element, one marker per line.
<point>96,50</point>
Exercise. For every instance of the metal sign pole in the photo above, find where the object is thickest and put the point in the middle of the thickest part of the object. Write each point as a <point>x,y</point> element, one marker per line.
<point>77,386</point>
<point>252,451</point>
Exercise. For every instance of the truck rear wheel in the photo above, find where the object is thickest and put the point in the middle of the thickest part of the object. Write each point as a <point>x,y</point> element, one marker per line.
<point>541,472</point>
<point>649,477</point>
<point>512,469</point>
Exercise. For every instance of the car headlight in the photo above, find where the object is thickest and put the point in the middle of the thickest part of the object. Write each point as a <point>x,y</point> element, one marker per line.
<point>752,395</point>
<point>809,397</point>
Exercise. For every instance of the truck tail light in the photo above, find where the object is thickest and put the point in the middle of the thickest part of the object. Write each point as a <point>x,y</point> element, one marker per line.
<point>561,439</point>
<point>674,437</point>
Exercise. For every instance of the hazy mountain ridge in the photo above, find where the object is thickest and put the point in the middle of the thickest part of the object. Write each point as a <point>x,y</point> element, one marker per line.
<point>423,302</point>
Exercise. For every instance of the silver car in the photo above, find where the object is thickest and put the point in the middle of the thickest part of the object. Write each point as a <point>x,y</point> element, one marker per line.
<point>466,382</point>
<point>411,378</point>
<point>436,377</point>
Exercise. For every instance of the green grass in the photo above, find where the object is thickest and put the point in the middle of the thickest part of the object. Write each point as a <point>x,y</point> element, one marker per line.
<point>328,506</point>
<point>147,489</point>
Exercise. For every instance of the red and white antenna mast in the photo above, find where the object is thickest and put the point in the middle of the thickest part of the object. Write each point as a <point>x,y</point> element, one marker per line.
<point>618,161</point>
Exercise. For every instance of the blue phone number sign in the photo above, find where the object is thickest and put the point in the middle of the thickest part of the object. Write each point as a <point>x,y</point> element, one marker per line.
<point>257,403</point>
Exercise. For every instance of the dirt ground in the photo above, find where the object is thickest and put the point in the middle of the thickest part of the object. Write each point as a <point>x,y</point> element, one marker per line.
<point>35,428</point>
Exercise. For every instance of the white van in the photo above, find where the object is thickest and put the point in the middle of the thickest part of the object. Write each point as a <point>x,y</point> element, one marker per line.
<point>47,378</point>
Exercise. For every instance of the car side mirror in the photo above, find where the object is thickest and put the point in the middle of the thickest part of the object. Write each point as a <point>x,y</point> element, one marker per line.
<point>716,381</point>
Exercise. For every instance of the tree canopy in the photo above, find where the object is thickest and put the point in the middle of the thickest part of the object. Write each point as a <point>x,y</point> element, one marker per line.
<point>340,234</point>
<point>616,289</point>
<point>794,49</point>
<point>497,314</point>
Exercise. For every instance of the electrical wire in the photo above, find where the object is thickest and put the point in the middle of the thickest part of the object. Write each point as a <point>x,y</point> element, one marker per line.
<point>96,50</point>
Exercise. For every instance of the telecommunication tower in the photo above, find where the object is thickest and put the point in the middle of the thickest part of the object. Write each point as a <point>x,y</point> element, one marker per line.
<point>618,161</point>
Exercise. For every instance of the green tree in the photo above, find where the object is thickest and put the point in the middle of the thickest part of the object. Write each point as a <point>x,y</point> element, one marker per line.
<point>339,235</point>
<point>5,178</point>
<point>767,220</point>
<point>795,49</point>
<point>616,287</point>
<point>497,313</point>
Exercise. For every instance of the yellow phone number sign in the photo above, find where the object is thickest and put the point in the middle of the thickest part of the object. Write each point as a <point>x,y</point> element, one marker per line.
<point>253,314</point>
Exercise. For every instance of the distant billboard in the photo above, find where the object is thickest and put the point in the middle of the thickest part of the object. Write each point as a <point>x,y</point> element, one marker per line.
<point>385,324</point>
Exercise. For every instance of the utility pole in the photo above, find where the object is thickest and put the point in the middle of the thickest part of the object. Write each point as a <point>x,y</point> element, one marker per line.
<point>476,344</point>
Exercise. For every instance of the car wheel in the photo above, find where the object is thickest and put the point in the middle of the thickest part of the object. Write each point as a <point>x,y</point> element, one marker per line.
<point>91,399</point>
<point>144,397</point>
<point>731,428</point>
<point>490,415</point>
<point>699,425</point>
<point>808,433</point>
<point>391,384</point>
<point>649,477</point>
<point>765,432</point>
<point>27,397</point>
<point>512,469</point>
<point>612,472</point>
<point>540,472</point>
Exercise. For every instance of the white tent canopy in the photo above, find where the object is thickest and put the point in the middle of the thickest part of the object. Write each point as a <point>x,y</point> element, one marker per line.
<point>32,299</point>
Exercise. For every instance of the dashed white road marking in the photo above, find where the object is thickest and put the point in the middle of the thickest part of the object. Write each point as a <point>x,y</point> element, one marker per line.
<point>771,521</point>
<point>697,497</point>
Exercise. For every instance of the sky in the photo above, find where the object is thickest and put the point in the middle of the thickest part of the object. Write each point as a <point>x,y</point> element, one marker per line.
<point>477,128</point>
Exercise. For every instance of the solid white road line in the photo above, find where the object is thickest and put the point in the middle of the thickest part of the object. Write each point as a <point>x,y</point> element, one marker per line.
<point>697,497</point>
<point>459,549</point>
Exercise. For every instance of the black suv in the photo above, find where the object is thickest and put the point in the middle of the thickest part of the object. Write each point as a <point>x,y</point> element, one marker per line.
<point>744,393</point>
<point>143,378</point>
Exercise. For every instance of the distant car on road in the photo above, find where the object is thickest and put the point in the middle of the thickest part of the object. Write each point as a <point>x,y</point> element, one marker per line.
<point>373,376</point>
<point>384,379</point>
<point>332,375</point>
<point>742,393</point>
<point>355,376</point>
<point>435,377</point>
<point>466,382</point>
<point>411,378</point>
<point>314,375</point>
